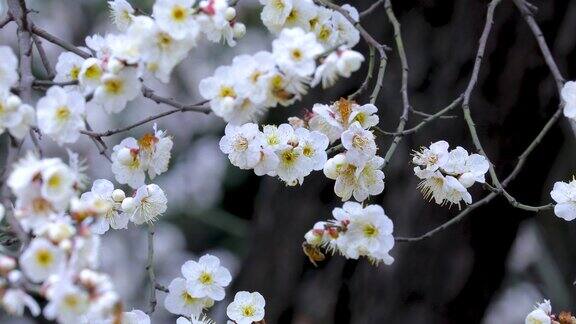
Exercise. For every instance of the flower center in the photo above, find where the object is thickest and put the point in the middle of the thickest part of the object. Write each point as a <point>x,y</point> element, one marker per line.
<point>292,16</point>
<point>248,311</point>
<point>296,54</point>
<point>308,151</point>
<point>74,72</point>
<point>113,86</point>
<point>241,144</point>
<point>40,205</point>
<point>370,231</point>
<point>44,258</point>
<point>324,33</point>
<point>289,157</point>
<point>164,40</point>
<point>71,301</point>
<point>93,72</point>
<point>147,141</point>
<point>279,4</point>
<point>358,141</point>
<point>206,278</point>
<point>188,299</point>
<point>179,13</point>
<point>55,181</point>
<point>227,91</point>
<point>62,113</point>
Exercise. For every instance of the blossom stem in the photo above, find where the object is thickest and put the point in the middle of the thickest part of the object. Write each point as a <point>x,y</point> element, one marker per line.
<point>369,74</point>
<point>150,268</point>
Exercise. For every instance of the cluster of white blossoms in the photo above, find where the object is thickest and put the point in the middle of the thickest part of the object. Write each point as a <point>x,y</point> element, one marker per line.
<point>357,170</point>
<point>284,151</point>
<point>330,27</point>
<point>145,46</point>
<point>447,175</point>
<point>313,46</point>
<point>16,117</point>
<point>62,257</point>
<point>132,158</point>
<point>253,83</point>
<point>355,231</point>
<point>203,282</point>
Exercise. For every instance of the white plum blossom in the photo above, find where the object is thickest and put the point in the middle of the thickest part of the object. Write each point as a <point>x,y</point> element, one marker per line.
<point>176,17</point>
<point>368,232</point>
<point>300,15</point>
<point>122,13</point>
<point>366,115</point>
<point>342,62</point>
<point>156,148</point>
<point>275,12</point>
<point>41,259</point>
<point>68,67</point>
<point>206,278</point>
<point>541,314</point>
<point>428,160</point>
<point>218,22</point>
<point>246,308</point>
<point>354,232</point>
<point>325,120</point>
<point>15,116</point>
<point>359,144</point>
<point>347,33</point>
<point>296,51</point>
<point>61,115</point>
<point>116,90</point>
<point>148,203</point>
<point>67,303</point>
<point>293,165</point>
<point>351,180</point>
<point>90,74</point>
<point>150,153</point>
<point>564,194</point>
<point>446,175</point>
<point>225,94</point>
<point>8,66</point>
<point>242,144</point>
<point>107,209</point>
<point>127,165</point>
<point>159,51</point>
<point>568,95</point>
<point>314,145</point>
<point>180,300</point>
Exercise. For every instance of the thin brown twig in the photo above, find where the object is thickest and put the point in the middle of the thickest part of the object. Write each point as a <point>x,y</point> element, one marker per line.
<point>45,62</point>
<point>528,16</point>
<point>425,121</point>
<point>141,122</point>
<point>371,9</point>
<point>404,88</point>
<point>6,20</point>
<point>150,268</point>
<point>369,74</point>
<point>60,42</point>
